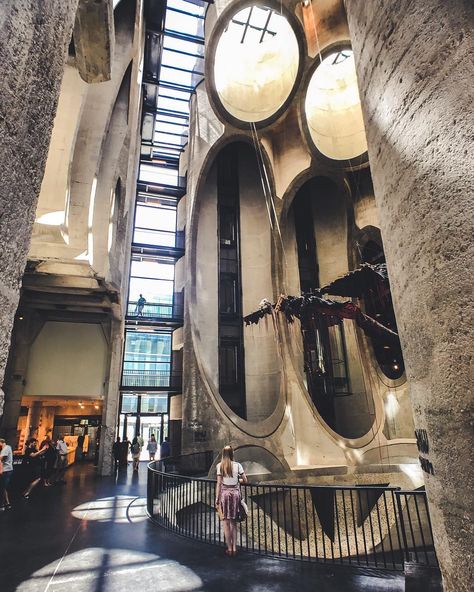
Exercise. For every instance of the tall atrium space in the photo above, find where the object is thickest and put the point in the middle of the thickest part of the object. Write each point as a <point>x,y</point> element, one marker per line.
<point>236,284</point>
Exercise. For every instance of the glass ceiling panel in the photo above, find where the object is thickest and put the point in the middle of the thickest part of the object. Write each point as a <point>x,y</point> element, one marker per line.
<point>158,174</point>
<point>173,105</point>
<point>171,127</point>
<point>183,45</point>
<point>152,269</point>
<point>175,59</point>
<point>176,140</point>
<point>184,24</point>
<point>174,76</point>
<point>192,7</point>
<point>156,218</point>
<point>175,93</point>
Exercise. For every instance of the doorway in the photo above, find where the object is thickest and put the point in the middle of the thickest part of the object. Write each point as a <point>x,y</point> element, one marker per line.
<point>144,415</point>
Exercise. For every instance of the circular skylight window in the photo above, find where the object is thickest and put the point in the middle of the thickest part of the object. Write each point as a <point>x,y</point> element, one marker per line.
<point>256,63</point>
<point>333,110</point>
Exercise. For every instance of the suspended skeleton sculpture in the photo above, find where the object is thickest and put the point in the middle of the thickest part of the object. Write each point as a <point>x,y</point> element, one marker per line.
<point>316,312</point>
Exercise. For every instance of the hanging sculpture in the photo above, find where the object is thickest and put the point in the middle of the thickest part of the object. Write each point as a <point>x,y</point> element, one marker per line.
<point>362,282</point>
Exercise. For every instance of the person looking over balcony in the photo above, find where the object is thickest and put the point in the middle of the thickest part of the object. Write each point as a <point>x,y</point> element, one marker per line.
<point>139,307</point>
<point>228,497</point>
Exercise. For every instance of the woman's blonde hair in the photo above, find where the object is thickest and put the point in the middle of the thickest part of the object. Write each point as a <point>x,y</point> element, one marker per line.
<point>226,461</point>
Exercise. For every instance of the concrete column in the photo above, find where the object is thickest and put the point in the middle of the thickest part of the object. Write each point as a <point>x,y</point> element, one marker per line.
<point>112,398</point>
<point>34,419</point>
<point>415,67</point>
<point>34,38</point>
<point>15,379</point>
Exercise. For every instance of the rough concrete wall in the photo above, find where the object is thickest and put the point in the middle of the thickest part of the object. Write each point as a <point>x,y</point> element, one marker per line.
<point>415,66</point>
<point>33,46</point>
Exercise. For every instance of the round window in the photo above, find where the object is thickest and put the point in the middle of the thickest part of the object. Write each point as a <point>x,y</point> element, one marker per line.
<point>256,63</point>
<point>333,110</point>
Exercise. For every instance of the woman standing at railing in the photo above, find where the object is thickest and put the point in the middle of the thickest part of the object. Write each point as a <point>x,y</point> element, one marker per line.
<point>229,476</point>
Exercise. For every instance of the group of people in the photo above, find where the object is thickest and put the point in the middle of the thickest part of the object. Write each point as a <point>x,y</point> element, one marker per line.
<point>45,464</point>
<point>121,448</point>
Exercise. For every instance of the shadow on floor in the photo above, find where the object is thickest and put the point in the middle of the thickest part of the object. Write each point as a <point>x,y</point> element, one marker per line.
<point>93,535</point>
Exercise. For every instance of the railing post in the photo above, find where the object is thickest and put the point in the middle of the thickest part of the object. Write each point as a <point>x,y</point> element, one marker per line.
<point>402,526</point>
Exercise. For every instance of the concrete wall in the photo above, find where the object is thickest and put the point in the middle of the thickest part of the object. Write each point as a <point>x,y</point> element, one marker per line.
<point>29,92</point>
<point>67,360</point>
<point>378,418</point>
<point>262,364</point>
<point>415,70</point>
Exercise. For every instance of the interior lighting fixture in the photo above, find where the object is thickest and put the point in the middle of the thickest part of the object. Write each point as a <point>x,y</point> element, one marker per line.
<point>306,3</point>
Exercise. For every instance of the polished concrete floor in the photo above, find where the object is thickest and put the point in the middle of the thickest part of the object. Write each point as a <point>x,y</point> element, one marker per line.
<point>92,535</point>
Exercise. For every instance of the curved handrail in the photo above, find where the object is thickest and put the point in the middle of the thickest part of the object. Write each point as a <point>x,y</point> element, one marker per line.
<point>370,525</point>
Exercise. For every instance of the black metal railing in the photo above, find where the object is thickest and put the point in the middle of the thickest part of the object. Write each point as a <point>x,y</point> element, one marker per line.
<point>373,526</point>
<point>190,465</point>
<point>155,311</point>
<point>152,379</point>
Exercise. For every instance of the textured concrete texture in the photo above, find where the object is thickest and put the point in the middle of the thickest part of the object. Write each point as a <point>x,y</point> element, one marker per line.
<point>34,38</point>
<point>415,67</point>
<point>94,39</point>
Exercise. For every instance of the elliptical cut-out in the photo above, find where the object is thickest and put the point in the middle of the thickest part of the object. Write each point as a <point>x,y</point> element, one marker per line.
<point>256,63</point>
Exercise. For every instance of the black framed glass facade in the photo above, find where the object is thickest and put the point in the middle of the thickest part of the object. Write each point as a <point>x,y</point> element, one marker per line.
<point>147,359</point>
<point>173,65</point>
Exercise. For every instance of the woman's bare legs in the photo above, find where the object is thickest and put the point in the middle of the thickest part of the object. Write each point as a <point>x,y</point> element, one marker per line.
<point>233,536</point>
<point>31,486</point>
<point>228,533</point>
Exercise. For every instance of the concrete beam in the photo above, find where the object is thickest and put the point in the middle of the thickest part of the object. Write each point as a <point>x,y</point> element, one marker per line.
<point>94,39</point>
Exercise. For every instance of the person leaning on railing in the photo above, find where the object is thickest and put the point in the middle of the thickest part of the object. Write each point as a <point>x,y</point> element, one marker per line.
<point>228,497</point>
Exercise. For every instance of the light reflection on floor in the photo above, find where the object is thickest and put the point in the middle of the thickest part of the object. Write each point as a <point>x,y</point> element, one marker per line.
<point>119,509</point>
<point>113,570</point>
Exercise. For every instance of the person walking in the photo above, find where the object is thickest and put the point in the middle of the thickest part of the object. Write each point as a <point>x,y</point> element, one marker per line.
<point>116,452</point>
<point>63,452</point>
<point>6,472</point>
<point>152,447</point>
<point>32,461</point>
<point>124,447</point>
<point>228,497</point>
<point>50,460</point>
<point>135,449</point>
<point>165,450</point>
<point>80,447</point>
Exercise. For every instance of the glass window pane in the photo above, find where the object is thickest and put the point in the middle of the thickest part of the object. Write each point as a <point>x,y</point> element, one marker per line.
<point>153,269</point>
<point>129,403</point>
<point>182,45</point>
<point>153,348</point>
<point>180,60</point>
<point>173,105</point>
<point>154,404</point>
<point>156,218</point>
<point>176,76</point>
<point>157,174</point>
<point>184,23</point>
<point>153,291</point>
<point>154,238</point>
